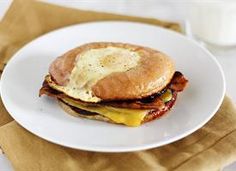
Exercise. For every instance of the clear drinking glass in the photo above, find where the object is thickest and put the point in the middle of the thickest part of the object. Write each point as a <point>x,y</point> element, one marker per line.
<point>214,22</point>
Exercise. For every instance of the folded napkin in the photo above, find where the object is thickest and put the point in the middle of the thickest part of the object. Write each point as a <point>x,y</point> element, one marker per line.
<point>210,148</point>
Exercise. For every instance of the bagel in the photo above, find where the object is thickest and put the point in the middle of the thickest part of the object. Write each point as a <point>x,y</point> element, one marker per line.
<point>120,82</point>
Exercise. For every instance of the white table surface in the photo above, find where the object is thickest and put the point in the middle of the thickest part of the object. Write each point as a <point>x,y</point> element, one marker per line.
<point>162,9</point>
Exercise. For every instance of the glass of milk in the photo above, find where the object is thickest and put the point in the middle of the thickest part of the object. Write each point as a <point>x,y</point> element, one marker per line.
<point>214,21</point>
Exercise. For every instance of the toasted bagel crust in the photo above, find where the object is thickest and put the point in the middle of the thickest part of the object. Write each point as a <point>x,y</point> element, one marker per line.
<point>153,72</point>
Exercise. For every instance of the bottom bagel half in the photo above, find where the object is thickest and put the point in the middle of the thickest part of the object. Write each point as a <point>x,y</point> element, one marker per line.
<point>129,117</point>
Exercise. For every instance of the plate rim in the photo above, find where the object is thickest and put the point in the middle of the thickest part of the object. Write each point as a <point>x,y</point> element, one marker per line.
<point>121,149</point>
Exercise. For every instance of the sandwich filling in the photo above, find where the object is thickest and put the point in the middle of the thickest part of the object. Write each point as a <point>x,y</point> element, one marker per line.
<point>130,112</point>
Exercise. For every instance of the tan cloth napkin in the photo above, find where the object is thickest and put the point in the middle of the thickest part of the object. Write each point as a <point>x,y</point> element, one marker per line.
<point>209,148</point>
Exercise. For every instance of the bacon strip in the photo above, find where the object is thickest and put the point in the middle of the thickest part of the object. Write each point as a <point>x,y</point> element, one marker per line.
<point>154,101</point>
<point>178,82</point>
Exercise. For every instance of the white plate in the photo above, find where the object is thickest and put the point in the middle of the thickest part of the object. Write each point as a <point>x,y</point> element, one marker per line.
<point>24,74</point>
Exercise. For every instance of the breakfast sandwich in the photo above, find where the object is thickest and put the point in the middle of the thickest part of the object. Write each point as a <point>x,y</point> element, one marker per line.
<point>114,82</point>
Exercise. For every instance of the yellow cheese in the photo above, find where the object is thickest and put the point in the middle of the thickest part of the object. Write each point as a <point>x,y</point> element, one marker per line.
<point>130,117</point>
<point>94,65</point>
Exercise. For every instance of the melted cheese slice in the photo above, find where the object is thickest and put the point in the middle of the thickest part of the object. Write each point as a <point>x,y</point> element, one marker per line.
<point>129,117</point>
<point>95,64</point>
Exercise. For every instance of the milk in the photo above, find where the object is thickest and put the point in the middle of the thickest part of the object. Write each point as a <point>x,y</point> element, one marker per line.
<point>214,21</point>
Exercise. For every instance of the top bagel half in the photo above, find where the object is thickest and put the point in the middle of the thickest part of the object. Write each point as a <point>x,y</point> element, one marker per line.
<point>104,71</point>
